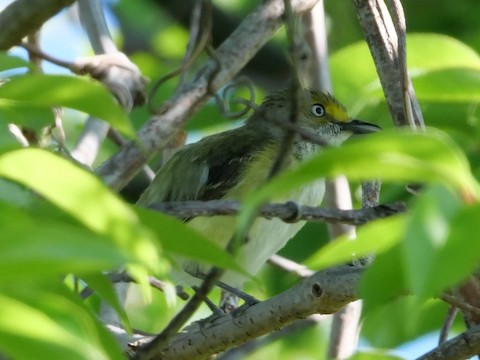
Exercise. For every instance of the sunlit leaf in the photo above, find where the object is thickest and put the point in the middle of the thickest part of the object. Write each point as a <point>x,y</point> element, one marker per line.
<point>177,238</point>
<point>430,52</point>
<point>83,196</point>
<point>20,113</point>
<point>372,238</point>
<point>439,65</point>
<point>34,248</point>
<point>52,323</point>
<point>452,85</point>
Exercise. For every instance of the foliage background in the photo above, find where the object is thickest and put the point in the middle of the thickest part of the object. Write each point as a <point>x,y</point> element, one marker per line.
<point>443,48</point>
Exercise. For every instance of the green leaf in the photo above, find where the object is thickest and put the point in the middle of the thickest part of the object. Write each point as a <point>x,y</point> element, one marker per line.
<point>34,248</point>
<point>402,319</point>
<point>438,64</point>
<point>375,237</point>
<point>15,194</point>
<point>103,286</point>
<point>176,237</point>
<point>78,93</point>
<point>378,355</point>
<point>8,62</point>
<point>384,280</point>
<point>84,197</point>
<point>453,85</point>
<point>435,51</point>
<point>391,156</point>
<point>34,117</point>
<point>426,234</point>
<point>460,255</point>
<point>51,322</point>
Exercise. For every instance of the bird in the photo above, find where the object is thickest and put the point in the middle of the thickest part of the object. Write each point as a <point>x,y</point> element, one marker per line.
<point>233,163</point>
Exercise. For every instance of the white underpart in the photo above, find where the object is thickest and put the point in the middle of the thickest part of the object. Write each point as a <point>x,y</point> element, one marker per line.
<point>266,237</point>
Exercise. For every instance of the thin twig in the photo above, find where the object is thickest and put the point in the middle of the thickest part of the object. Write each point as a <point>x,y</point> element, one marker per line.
<point>386,47</point>
<point>447,324</point>
<point>197,42</point>
<point>412,110</point>
<point>287,211</point>
<point>324,292</point>
<point>123,277</point>
<point>230,58</point>
<point>289,135</point>
<point>93,20</point>
<point>23,17</point>
<point>344,328</point>
<point>466,307</point>
<point>290,266</point>
<point>160,341</point>
<point>223,100</point>
<point>463,346</point>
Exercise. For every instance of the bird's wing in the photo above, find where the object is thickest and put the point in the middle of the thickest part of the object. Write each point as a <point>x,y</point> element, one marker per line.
<point>205,170</point>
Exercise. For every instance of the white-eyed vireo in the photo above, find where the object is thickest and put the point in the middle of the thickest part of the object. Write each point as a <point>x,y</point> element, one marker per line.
<point>233,163</point>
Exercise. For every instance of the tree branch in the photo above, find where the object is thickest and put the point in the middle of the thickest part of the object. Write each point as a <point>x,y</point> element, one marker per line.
<point>383,41</point>
<point>286,212</point>
<point>248,348</point>
<point>461,347</point>
<point>23,17</point>
<point>230,58</point>
<point>268,67</point>
<point>325,292</point>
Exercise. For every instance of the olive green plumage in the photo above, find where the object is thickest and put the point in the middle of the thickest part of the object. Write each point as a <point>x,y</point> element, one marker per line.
<point>235,162</point>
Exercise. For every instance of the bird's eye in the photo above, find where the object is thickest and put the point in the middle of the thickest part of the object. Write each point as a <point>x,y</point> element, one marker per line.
<point>317,110</point>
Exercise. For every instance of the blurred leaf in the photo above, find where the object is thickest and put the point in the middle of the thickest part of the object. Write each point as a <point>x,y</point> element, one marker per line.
<point>435,253</point>
<point>78,93</point>
<point>8,62</point>
<point>51,322</point>
<point>12,193</point>
<point>177,237</point>
<point>20,113</point>
<point>426,234</point>
<point>83,196</point>
<point>33,248</point>
<point>351,76</point>
<point>402,319</point>
<point>171,42</point>
<point>209,117</point>
<point>384,280</point>
<point>104,287</point>
<point>460,255</point>
<point>457,84</point>
<point>375,237</point>
<point>301,247</point>
<point>377,355</point>
<point>437,51</point>
<point>391,156</point>
<point>440,67</point>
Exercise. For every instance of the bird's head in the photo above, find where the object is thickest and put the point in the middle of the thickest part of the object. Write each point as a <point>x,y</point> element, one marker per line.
<point>319,112</point>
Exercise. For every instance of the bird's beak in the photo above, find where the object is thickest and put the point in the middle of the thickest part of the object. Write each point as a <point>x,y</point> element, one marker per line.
<point>360,127</point>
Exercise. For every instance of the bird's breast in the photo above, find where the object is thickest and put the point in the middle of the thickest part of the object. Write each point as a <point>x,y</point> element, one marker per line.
<point>266,236</point>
